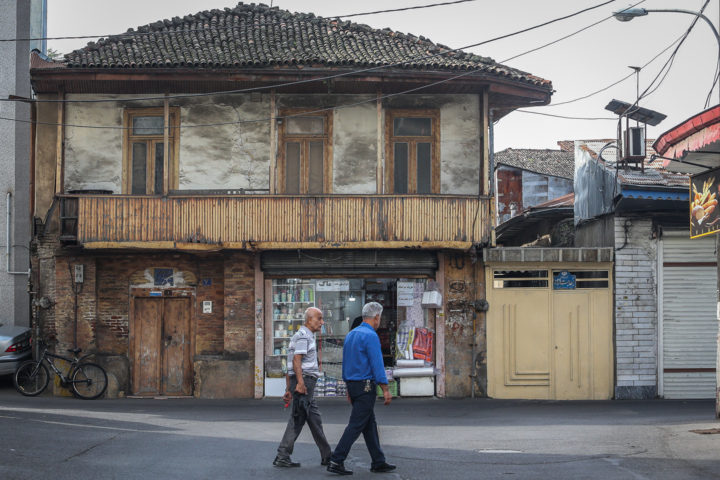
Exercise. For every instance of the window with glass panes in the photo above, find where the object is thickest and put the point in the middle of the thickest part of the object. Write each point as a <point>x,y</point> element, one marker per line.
<point>144,168</point>
<point>412,156</point>
<point>305,152</point>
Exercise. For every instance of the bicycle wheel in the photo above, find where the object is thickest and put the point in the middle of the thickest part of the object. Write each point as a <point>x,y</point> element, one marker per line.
<point>89,381</point>
<point>31,379</point>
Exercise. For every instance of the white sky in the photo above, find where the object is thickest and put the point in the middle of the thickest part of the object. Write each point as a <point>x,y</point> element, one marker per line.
<point>577,66</point>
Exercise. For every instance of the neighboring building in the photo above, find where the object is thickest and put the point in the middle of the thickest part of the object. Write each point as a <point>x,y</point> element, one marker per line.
<point>543,225</point>
<point>205,225</point>
<point>665,283</point>
<point>18,19</point>
<point>528,177</point>
<point>695,146</point>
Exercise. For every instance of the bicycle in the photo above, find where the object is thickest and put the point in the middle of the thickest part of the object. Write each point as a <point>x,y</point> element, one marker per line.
<point>88,380</point>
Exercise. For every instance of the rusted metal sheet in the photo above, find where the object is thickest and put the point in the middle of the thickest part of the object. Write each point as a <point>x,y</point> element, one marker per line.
<point>509,191</point>
<point>262,222</point>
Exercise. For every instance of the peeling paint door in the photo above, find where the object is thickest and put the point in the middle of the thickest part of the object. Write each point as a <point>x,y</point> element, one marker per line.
<point>177,366</point>
<point>147,361</point>
<point>162,356</point>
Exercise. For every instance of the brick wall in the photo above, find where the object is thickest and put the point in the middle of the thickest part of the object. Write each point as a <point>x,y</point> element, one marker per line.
<point>635,309</point>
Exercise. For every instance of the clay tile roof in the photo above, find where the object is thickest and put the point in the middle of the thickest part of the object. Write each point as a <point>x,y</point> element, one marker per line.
<point>558,163</point>
<point>257,36</point>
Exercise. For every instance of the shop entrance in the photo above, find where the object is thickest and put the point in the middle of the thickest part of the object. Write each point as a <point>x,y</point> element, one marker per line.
<point>549,333</point>
<point>161,344</point>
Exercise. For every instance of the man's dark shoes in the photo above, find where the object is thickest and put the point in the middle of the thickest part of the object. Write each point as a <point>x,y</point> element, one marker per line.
<point>383,467</point>
<point>325,462</point>
<point>285,462</point>
<point>338,468</point>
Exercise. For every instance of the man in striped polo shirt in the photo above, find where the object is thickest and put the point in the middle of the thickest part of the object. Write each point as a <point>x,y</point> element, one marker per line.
<point>302,375</point>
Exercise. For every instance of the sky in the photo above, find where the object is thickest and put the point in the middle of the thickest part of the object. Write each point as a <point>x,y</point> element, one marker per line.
<point>580,65</point>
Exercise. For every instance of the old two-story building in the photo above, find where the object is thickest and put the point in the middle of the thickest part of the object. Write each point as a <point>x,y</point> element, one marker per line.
<point>214,175</point>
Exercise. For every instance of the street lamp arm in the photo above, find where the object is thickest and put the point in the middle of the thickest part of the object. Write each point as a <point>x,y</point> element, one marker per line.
<point>697,14</point>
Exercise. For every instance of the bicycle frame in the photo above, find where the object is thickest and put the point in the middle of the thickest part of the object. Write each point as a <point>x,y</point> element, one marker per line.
<point>74,365</point>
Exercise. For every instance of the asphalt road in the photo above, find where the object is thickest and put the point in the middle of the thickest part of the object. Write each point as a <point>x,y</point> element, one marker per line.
<point>59,438</point>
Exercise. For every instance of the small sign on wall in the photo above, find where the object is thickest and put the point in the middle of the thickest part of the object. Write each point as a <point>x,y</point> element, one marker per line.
<point>564,281</point>
<point>206,282</point>
<point>207,306</point>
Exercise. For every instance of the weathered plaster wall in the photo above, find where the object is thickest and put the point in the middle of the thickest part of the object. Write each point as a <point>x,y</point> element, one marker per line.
<point>93,156</point>
<point>459,137</point>
<point>234,154</point>
<point>224,156</point>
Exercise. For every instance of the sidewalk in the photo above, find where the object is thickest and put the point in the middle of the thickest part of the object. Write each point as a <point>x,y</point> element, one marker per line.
<point>51,437</point>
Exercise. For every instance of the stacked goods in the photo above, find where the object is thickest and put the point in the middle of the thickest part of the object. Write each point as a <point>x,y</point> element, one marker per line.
<point>423,344</point>
<point>331,387</point>
<point>320,386</point>
<point>341,388</point>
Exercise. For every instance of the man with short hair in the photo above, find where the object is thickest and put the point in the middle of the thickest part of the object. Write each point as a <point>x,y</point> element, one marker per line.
<point>363,369</point>
<point>301,378</point>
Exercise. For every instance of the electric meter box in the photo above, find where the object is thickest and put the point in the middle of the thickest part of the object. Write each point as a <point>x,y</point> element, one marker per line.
<point>207,306</point>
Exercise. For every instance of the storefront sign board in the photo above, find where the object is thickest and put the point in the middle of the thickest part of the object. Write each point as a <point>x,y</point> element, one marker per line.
<point>704,196</point>
<point>333,285</point>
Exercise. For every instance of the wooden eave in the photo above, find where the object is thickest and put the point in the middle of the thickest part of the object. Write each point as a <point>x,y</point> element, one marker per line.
<point>505,94</point>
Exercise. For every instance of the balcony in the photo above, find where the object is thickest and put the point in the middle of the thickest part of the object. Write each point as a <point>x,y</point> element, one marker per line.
<point>264,222</point>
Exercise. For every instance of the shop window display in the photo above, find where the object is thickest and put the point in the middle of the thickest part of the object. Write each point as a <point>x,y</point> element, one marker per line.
<point>341,301</point>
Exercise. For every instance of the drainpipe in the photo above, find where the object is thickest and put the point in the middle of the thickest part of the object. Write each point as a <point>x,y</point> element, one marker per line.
<point>474,353</point>
<point>7,242</point>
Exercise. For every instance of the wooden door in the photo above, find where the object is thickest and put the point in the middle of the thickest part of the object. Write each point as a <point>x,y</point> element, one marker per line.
<point>177,365</point>
<point>147,355</point>
<point>162,331</point>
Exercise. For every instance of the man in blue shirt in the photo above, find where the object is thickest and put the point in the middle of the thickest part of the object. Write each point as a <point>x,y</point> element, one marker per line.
<point>363,369</point>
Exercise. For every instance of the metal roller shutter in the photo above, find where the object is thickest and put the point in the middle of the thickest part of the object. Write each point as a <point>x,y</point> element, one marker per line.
<point>689,318</point>
<point>392,263</point>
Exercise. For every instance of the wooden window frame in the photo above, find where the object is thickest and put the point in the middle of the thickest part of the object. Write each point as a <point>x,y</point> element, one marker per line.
<point>174,141</point>
<point>412,142</point>
<point>327,138</point>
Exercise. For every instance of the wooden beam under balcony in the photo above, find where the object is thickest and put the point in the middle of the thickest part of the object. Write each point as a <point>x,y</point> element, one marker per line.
<point>265,222</point>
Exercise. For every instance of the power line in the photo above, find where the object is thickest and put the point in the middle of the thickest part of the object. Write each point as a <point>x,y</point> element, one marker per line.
<point>562,116</point>
<point>231,27</point>
<point>613,84</point>
<point>192,95</point>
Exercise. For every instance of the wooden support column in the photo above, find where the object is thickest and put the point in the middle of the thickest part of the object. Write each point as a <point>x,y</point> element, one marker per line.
<point>60,154</point>
<point>379,169</point>
<point>273,136</point>
<point>166,149</point>
<point>484,144</point>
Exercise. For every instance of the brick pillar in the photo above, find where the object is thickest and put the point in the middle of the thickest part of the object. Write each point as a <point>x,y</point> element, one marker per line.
<point>239,327</point>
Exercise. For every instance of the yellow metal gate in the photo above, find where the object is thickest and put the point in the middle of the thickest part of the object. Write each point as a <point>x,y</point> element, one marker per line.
<point>549,331</point>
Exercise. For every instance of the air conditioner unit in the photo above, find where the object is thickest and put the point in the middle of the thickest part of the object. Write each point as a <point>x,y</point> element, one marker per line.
<point>634,143</point>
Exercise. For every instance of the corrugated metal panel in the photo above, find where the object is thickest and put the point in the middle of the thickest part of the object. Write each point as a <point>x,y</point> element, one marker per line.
<point>351,262</point>
<point>690,323</point>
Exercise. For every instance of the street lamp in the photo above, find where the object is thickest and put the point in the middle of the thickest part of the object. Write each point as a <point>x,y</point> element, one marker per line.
<point>628,14</point>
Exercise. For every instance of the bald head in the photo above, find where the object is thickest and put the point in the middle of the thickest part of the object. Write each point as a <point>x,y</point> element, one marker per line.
<point>313,319</point>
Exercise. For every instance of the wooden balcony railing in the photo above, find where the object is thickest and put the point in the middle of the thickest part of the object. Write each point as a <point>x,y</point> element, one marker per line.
<point>277,222</point>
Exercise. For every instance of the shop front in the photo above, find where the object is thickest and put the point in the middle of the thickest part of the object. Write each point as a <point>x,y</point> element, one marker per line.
<point>340,284</point>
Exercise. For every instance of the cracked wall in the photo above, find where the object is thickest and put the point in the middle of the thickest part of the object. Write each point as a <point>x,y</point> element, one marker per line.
<point>234,152</point>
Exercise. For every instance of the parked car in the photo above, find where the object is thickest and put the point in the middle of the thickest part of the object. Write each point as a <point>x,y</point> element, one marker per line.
<point>15,348</point>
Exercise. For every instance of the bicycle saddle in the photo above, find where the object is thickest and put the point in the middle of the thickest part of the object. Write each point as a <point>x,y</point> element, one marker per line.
<point>74,350</point>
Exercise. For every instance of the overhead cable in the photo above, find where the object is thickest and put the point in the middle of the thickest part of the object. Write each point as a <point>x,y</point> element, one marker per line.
<point>323,79</point>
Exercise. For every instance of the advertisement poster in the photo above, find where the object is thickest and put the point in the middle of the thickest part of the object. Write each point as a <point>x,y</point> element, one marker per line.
<point>704,193</point>
<point>405,294</point>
